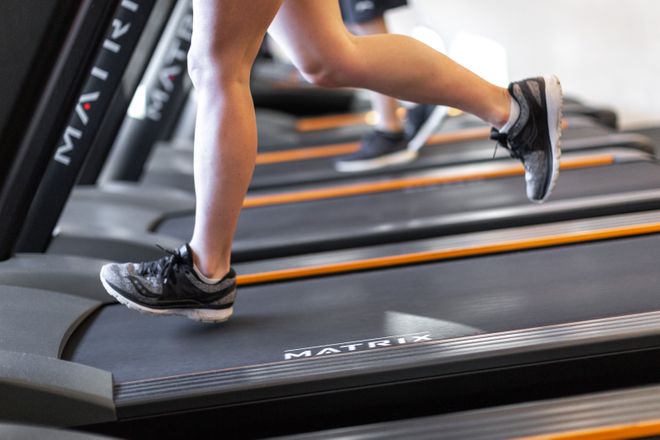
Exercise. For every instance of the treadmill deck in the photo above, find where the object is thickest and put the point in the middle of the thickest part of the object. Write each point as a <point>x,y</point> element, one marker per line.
<point>417,303</point>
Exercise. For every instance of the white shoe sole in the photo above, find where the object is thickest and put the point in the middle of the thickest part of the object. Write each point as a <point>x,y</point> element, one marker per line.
<point>554,102</point>
<point>397,158</point>
<point>427,129</point>
<point>201,315</point>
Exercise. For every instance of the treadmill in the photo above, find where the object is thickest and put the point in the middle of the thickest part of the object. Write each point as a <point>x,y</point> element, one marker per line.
<point>119,221</point>
<point>55,351</point>
<point>108,224</point>
<point>122,222</point>
<point>524,310</point>
<point>139,132</point>
<point>173,167</point>
<point>94,224</point>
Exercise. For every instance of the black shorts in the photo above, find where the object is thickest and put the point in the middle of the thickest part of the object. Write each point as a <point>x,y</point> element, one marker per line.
<point>359,11</point>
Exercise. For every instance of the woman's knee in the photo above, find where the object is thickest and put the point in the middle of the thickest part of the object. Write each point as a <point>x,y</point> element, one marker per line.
<point>336,66</point>
<point>209,65</point>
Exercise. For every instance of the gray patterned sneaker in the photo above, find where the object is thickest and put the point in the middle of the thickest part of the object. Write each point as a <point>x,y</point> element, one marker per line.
<point>377,150</point>
<point>170,286</point>
<point>421,121</point>
<point>535,138</point>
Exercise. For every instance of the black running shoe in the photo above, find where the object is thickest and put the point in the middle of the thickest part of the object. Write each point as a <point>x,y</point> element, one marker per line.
<point>378,149</point>
<point>535,138</point>
<point>421,121</point>
<point>170,286</point>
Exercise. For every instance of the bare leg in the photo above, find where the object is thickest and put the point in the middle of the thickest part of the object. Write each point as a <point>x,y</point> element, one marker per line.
<point>385,106</point>
<point>226,39</point>
<point>394,65</point>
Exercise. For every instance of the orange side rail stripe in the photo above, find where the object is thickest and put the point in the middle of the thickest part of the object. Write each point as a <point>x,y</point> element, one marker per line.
<point>447,254</point>
<point>307,153</point>
<point>633,430</point>
<point>332,121</point>
<point>332,150</point>
<point>399,184</point>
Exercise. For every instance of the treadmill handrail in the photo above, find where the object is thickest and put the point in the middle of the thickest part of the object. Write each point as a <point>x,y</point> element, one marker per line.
<point>70,151</point>
<point>31,154</point>
<point>158,99</point>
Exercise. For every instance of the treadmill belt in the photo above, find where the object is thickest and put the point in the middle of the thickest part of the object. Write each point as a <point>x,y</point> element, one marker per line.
<point>430,301</point>
<point>411,214</point>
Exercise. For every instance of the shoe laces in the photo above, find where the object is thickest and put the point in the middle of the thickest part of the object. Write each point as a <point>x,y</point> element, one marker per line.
<point>502,140</point>
<point>164,267</point>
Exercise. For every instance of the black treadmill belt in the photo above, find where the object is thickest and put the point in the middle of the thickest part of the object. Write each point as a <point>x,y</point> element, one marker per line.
<point>403,215</point>
<point>438,300</point>
<point>322,170</point>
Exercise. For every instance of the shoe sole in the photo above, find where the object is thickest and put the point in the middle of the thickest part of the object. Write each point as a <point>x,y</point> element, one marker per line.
<point>397,158</point>
<point>200,315</point>
<point>427,128</point>
<point>554,102</point>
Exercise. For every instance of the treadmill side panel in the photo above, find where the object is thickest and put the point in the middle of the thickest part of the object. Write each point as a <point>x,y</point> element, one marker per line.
<point>25,432</point>
<point>51,320</point>
<point>39,389</point>
<point>73,275</point>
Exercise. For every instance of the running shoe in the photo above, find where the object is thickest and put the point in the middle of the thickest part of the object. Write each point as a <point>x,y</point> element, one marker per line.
<point>535,138</point>
<point>421,121</point>
<point>377,150</point>
<point>170,286</point>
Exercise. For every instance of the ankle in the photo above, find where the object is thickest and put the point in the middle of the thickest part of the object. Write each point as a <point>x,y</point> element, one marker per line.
<point>212,271</point>
<point>209,265</point>
<point>501,109</point>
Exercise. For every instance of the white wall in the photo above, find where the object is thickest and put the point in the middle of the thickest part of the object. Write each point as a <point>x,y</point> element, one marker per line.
<point>606,52</point>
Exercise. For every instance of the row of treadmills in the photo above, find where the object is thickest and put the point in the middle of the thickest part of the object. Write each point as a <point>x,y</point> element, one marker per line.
<point>425,300</point>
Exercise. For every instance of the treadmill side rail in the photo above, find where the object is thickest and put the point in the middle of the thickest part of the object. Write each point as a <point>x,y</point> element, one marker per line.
<point>615,413</point>
<point>438,360</point>
<point>45,390</point>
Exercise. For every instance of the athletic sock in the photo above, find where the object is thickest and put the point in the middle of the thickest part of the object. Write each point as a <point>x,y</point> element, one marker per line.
<point>514,112</point>
<point>204,278</point>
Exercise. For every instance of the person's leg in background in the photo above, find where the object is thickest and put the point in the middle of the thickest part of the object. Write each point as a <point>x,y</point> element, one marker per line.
<point>393,141</point>
<point>371,21</point>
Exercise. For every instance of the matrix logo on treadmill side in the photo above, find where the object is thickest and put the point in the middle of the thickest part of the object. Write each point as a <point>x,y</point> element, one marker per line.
<point>175,64</point>
<point>113,44</point>
<point>357,346</point>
